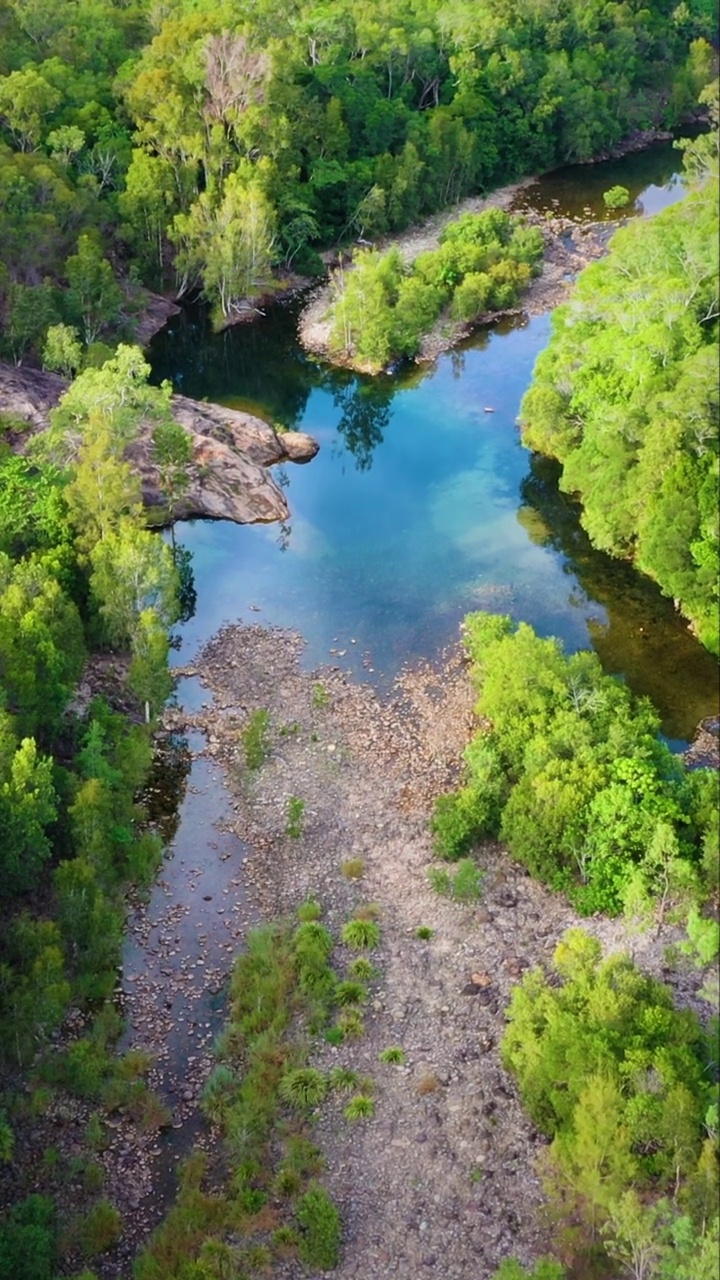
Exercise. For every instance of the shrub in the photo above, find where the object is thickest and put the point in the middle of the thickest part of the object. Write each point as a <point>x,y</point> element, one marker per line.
<point>218,1093</point>
<point>610,1022</point>
<point>616,197</point>
<point>393,1055</point>
<point>361,934</point>
<point>351,1024</point>
<point>464,886</point>
<point>344,1079</point>
<point>27,1240</point>
<point>363,969</point>
<point>309,910</point>
<point>100,1229</point>
<point>424,933</point>
<point>361,1107</point>
<point>319,1246</point>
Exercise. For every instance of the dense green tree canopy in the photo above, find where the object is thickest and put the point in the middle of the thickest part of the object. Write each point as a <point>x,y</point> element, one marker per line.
<point>208,142</point>
<point>626,397</point>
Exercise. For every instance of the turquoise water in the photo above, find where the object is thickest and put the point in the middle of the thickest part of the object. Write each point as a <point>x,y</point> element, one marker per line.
<point>420,506</point>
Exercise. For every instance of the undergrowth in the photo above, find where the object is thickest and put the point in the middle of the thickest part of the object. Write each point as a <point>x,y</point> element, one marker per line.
<point>262,1097</point>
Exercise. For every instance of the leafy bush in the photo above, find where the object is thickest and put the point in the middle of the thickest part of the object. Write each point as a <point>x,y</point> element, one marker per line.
<point>612,1031</point>
<point>616,197</point>
<point>586,795</point>
<point>321,1229</point>
<point>27,1240</point>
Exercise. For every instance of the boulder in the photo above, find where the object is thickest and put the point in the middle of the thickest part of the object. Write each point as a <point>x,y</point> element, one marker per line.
<point>232,450</point>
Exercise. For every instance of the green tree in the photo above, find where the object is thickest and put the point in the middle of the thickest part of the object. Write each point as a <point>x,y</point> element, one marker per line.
<point>63,350</point>
<point>94,297</point>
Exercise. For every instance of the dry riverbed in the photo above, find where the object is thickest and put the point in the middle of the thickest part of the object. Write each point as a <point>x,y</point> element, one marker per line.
<point>441,1181</point>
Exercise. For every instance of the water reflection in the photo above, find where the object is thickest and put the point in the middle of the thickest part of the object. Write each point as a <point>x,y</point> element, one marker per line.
<point>638,635</point>
<point>364,406</point>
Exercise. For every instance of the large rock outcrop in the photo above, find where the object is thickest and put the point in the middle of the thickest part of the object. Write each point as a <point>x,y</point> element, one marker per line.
<point>232,451</point>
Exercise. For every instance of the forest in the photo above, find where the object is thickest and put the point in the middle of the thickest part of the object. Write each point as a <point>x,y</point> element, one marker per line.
<point>212,152</point>
<point>213,149</point>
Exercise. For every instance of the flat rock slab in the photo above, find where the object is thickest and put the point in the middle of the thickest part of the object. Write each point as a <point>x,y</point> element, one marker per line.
<point>232,450</point>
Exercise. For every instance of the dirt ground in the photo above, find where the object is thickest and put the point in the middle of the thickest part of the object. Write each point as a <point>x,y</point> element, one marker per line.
<point>441,1181</point>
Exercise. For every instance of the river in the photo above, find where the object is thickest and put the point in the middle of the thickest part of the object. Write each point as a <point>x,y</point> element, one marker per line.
<point>421,505</point>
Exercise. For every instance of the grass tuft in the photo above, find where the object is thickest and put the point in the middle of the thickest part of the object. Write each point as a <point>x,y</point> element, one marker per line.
<point>361,1107</point>
<point>361,934</point>
<point>393,1055</point>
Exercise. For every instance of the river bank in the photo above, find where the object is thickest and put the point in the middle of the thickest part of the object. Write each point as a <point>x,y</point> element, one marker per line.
<point>232,451</point>
<point>432,1184</point>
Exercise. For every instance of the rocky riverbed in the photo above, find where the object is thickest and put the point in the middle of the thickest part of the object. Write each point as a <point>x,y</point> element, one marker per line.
<point>232,450</point>
<point>441,1182</point>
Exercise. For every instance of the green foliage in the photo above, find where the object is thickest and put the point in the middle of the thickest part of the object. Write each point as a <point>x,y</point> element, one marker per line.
<point>382,309</point>
<point>320,696</point>
<point>361,1107</point>
<point>363,969</point>
<point>348,993</point>
<point>100,1228</point>
<point>321,1231</point>
<point>424,933</point>
<point>464,886</point>
<point>255,738</point>
<point>361,934</point>
<point>344,1079</point>
<point>616,198</point>
<point>625,397</point>
<point>545,1269</point>
<point>392,1056</point>
<point>586,795</point>
<point>605,1063</point>
<point>309,910</point>
<point>27,1240</point>
<point>304,1087</point>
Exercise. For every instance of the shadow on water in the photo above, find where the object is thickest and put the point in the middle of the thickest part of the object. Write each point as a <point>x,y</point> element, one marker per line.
<point>641,636</point>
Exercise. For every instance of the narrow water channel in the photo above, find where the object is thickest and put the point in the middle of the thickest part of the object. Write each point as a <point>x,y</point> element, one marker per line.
<point>421,505</point>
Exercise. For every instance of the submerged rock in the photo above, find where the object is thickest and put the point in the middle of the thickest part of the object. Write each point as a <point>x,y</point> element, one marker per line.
<point>232,450</point>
